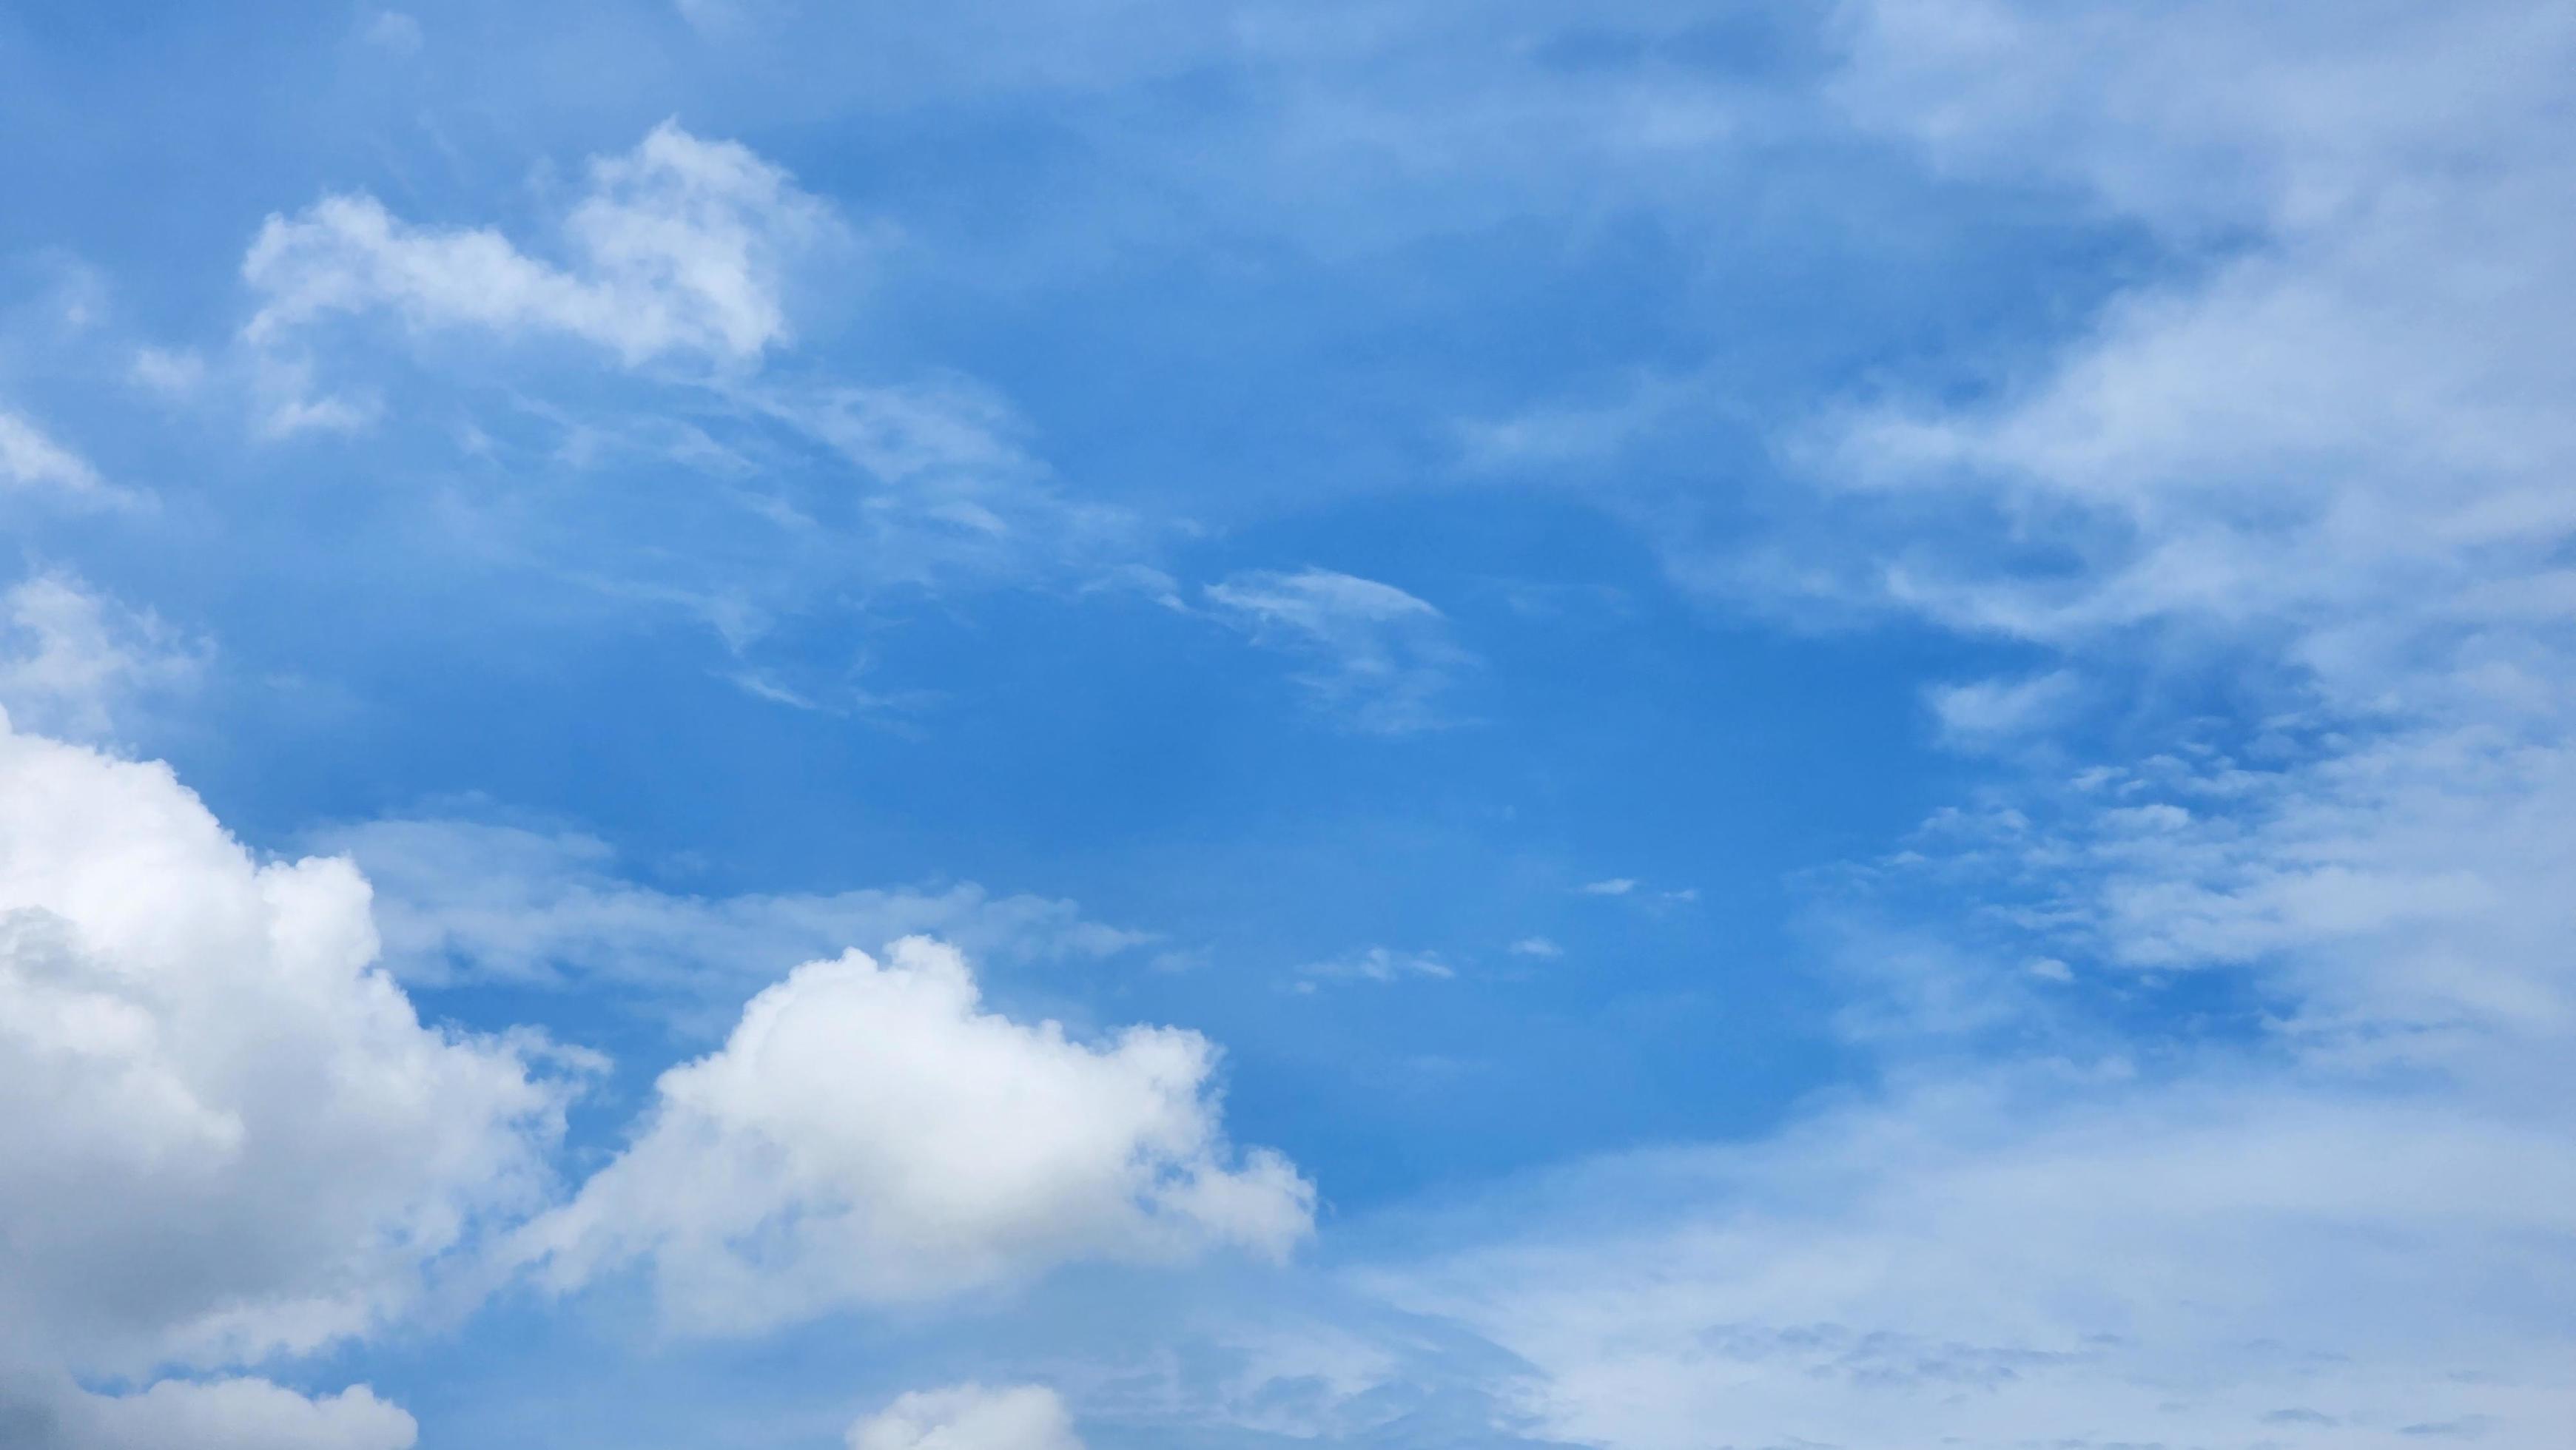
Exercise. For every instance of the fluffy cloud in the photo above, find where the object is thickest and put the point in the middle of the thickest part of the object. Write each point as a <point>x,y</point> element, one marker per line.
<point>870,1133</point>
<point>970,1417</point>
<point>230,1136</point>
<point>69,656</point>
<point>678,248</point>
<point>1382,659</point>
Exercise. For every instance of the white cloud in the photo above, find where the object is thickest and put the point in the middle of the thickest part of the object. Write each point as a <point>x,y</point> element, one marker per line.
<point>1536,946</point>
<point>1612,886</point>
<point>678,248</point>
<point>70,657</point>
<point>172,372</point>
<point>285,402</point>
<point>951,490</point>
<point>1383,658</point>
<point>2397,893</point>
<point>222,1414</point>
<point>871,1134</point>
<point>1985,713</point>
<point>2284,1008</point>
<point>2044,1263</point>
<point>464,900</point>
<point>2340,419</point>
<point>29,459</point>
<point>1376,964</point>
<point>230,1136</point>
<point>2327,454</point>
<point>970,1417</point>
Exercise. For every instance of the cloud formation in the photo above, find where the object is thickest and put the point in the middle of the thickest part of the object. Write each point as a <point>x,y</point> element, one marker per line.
<point>231,1137</point>
<point>70,656</point>
<point>679,248</point>
<point>1381,659</point>
<point>970,1417</point>
<point>238,1137</point>
<point>1375,964</point>
<point>462,900</point>
<point>31,460</point>
<point>871,1134</point>
<point>218,1414</point>
<point>2046,1259</point>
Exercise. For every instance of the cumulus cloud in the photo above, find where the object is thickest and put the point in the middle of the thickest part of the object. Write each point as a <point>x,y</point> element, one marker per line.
<point>970,1417</point>
<point>871,1134</point>
<point>1382,659</point>
<point>230,1135</point>
<point>678,248</point>
<point>236,1137</point>
<point>70,656</point>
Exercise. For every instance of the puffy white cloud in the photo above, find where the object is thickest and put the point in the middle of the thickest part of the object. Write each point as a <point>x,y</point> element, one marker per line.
<point>679,247</point>
<point>69,656</point>
<point>970,1417</point>
<point>1382,657</point>
<point>229,1133</point>
<point>870,1133</point>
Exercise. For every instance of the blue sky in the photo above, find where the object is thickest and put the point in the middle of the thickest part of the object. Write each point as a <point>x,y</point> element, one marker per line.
<point>754,723</point>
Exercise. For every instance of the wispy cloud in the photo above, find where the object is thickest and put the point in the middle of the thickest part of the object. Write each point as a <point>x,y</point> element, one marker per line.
<point>1383,660</point>
<point>1982,714</point>
<point>71,658</point>
<point>462,900</point>
<point>31,459</point>
<point>1374,964</point>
